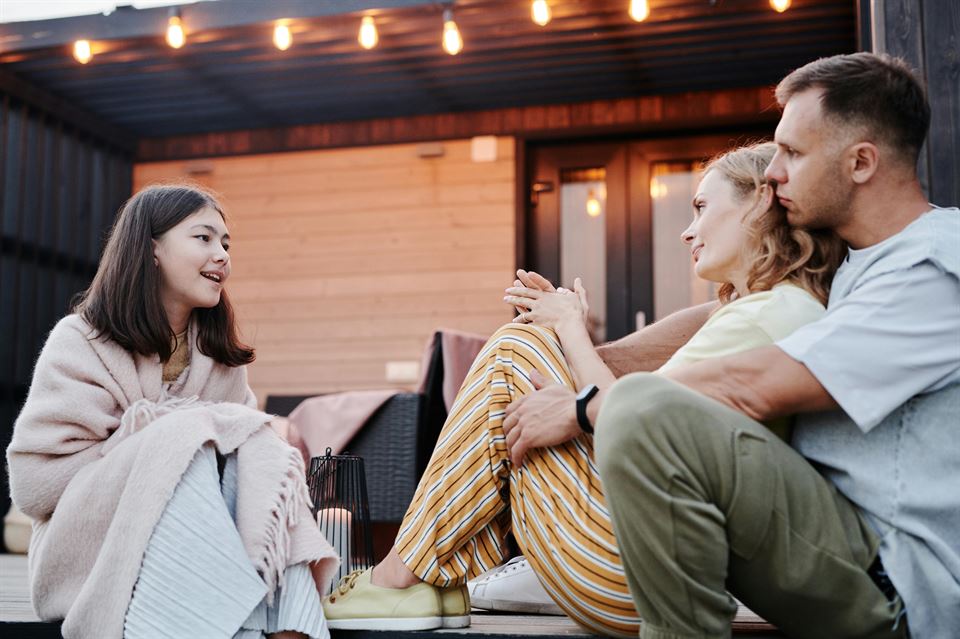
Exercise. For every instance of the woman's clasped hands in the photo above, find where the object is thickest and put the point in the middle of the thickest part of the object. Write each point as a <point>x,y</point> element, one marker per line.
<point>538,302</point>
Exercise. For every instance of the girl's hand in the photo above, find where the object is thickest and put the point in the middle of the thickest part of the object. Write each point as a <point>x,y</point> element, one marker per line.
<point>554,310</point>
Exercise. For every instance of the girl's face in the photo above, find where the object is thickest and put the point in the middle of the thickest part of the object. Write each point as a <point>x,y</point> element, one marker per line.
<point>194,263</point>
<point>717,236</point>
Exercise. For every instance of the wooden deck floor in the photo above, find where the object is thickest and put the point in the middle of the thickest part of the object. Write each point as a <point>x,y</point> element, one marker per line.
<point>17,618</point>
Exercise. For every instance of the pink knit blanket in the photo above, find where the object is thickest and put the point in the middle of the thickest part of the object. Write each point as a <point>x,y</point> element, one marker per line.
<point>96,454</point>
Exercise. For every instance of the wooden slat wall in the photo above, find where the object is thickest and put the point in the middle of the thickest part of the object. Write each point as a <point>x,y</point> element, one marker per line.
<point>346,259</point>
<point>924,34</point>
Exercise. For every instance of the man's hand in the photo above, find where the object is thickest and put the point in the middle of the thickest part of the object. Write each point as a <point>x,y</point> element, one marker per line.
<point>545,417</point>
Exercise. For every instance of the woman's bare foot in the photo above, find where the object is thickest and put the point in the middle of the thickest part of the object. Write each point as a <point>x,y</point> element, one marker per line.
<point>393,573</point>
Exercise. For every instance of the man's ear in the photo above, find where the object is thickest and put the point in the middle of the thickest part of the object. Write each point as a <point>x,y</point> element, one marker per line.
<point>864,161</point>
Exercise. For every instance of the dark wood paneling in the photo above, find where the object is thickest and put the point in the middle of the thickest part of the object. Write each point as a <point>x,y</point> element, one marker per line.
<point>684,111</point>
<point>941,36</point>
<point>21,90</point>
<point>924,33</point>
<point>50,234</point>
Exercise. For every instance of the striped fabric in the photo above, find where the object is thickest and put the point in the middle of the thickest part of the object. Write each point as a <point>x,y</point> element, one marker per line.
<point>470,496</point>
<point>196,579</point>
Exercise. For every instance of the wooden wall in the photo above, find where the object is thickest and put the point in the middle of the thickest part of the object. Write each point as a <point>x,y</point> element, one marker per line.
<point>346,259</point>
<point>924,32</point>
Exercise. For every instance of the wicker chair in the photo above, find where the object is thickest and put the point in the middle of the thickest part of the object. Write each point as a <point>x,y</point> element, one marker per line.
<point>395,443</point>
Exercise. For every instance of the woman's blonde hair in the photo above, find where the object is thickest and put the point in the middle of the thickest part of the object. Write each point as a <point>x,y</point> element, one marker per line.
<point>781,253</point>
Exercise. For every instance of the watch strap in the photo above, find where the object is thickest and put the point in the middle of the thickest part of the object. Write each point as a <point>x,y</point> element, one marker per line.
<point>583,399</point>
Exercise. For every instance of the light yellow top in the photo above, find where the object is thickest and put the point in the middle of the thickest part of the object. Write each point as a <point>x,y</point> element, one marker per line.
<point>758,319</point>
<point>179,359</point>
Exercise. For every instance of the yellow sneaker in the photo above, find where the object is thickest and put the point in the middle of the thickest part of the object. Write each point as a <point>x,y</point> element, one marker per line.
<point>357,604</point>
<point>455,607</point>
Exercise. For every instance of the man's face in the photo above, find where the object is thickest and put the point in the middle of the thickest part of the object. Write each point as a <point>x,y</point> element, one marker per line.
<point>807,167</point>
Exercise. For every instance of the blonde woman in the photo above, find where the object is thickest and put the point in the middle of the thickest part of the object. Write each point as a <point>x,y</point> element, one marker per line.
<point>488,476</point>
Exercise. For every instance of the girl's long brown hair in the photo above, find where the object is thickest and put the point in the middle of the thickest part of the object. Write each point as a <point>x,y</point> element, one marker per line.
<point>781,253</point>
<point>123,301</point>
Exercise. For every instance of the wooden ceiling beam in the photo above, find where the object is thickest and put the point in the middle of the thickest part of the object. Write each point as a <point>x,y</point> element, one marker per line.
<point>699,109</point>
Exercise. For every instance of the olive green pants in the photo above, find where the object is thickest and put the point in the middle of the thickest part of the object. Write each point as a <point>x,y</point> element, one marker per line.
<point>705,500</point>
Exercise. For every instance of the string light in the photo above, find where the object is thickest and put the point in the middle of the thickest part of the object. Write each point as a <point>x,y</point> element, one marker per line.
<point>540,12</point>
<point>780,5</point>
<point>282,38</point>
<point>452,40</point>
<point>640,10</point>
<point>82,52</point>
<point>368,36</point>
<point>176,37</point>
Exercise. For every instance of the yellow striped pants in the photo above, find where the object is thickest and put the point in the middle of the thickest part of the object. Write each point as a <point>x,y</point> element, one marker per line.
<point>470,495</point>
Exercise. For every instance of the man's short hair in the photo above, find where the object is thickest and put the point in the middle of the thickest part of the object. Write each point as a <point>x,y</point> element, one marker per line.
<point>873,90</point>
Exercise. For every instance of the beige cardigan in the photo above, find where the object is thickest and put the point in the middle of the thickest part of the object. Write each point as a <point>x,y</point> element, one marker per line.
<point>99,448</point>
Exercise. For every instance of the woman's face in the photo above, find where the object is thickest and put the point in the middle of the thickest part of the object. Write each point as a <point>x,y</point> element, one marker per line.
<point>717,236</point>
<point>194,263</point>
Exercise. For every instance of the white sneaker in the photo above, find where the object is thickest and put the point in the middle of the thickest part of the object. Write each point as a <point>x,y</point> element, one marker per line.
<point>512,587</point>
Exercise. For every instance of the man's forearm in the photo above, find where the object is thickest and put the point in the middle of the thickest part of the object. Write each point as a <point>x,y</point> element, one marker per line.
<point>762,383</point>
<point>650,347</point>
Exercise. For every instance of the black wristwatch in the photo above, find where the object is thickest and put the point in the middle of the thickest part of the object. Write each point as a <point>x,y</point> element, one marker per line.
<point>583,398</point>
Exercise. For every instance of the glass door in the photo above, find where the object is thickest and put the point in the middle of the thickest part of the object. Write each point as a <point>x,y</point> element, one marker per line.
<point>577,227</point>
<point>612,214</point>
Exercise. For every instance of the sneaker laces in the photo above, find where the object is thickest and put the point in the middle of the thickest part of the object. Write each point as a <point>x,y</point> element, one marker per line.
<point>346,583</point>
<point>516,563</point>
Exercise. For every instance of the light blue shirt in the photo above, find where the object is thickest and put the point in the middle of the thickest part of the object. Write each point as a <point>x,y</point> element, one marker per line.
<point>888,351</point>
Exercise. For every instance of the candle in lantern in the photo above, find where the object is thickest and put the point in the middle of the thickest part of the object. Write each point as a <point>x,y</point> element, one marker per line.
<point>335,524</point>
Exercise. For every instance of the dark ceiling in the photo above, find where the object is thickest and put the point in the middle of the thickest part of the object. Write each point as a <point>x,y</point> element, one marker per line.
<point>229,76</point>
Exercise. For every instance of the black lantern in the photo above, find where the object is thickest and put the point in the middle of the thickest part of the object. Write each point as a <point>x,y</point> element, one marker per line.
<point>338,489</point>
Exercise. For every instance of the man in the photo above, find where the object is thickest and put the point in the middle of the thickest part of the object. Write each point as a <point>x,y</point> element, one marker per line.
<point>857,535</point>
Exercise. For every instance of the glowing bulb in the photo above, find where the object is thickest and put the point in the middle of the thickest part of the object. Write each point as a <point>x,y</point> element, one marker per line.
<point>368,36</point>
<point>594,209</point>
<point>452,40</point>
<point>780,5</point>
<point>639,10</point>
<point>82,52</point>
<point>657,189</point>
<point>540,11</point>
<point>175,35</point>
<point>282,38</point>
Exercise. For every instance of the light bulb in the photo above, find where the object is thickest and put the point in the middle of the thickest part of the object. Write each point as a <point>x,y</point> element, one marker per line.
<point>175,35</point>
<point>540,11</point>
<point>658,189</point>
<point>282,38</point>
<point>368,36</point>
<point>82,52</point>
<point>593,205</point>
<point>452,40</point>
<point>780,5</point>
<point>639,10</point>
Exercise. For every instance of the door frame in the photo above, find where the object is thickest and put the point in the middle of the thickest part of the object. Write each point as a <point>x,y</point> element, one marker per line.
<point>543,234</point>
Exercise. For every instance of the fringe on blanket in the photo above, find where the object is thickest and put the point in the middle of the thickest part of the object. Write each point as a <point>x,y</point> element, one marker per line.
<point>284,514</point>
<point>144,411</point>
